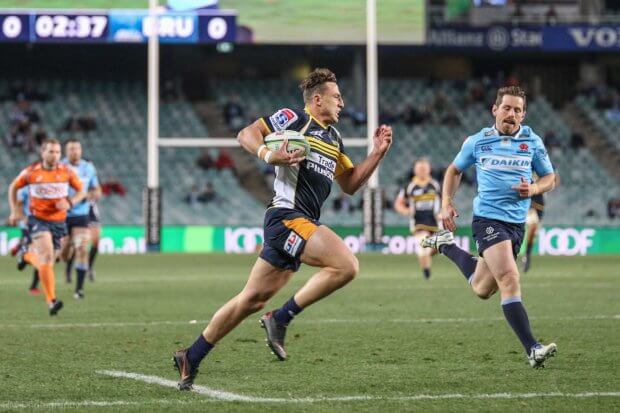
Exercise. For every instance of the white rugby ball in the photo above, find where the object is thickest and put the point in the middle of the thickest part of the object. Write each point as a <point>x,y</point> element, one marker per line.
<point>295,141</point>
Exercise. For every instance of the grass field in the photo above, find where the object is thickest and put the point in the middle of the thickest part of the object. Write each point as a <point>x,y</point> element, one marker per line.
<point>298,21</point>
<point>390,341</point>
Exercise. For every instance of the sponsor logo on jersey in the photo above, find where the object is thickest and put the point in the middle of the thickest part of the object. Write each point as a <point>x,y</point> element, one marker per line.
<point>321,165</point>
<point>49,190</point>
<point>486,148</point>
<point>292,244</point>
<point>505,162</point>
<point>283,118</point>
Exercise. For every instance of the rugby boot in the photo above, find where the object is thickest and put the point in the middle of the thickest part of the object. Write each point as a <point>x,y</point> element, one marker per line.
<point>540,352</point>
<point>186,371</point>
<point>275,335</point>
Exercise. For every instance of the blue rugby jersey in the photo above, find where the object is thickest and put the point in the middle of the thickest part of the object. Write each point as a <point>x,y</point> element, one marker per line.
<point>501,161</point>
<point>87,174</point>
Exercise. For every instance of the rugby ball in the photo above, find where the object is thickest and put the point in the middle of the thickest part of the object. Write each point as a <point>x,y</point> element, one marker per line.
<point>295,141</point>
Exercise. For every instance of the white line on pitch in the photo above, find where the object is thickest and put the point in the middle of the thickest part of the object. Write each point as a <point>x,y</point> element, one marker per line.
<point>309,321</point>
<point>234,397</point>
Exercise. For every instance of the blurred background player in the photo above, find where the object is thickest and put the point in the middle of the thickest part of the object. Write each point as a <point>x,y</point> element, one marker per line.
<point>24,242</point>
<point>94,226</point>
<point>48,183</point>
<point>505,156</point>
<point>293,233</point>
<point>78,217</point>
<point>532,223</point>
<point>420,200</point>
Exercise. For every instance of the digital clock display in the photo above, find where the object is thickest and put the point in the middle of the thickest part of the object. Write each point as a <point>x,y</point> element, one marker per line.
<point>70,27</point>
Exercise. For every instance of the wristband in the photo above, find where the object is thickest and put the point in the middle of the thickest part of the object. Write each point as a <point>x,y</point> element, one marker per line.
<point>260,149</point>
<point>268,156</point>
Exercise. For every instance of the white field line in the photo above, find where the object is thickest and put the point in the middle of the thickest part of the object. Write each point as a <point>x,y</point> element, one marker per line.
<point>302,321</point>
<point>234,397</point>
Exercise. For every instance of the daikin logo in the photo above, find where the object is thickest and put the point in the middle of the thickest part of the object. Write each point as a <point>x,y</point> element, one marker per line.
<point>606,37</point>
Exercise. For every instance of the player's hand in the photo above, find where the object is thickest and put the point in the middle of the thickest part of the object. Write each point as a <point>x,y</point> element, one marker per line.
<point>282,157</point>
<point>63,205</point>
<point>15,218</point>
<point>382,139</point>
<point>448,213</point>
<point>525,189</point>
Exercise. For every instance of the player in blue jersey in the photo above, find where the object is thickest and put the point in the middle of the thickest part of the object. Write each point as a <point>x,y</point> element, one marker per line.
<point>75,249</point>
<point>25,240</point>
<point>293,233</point>
<point>505,155</point>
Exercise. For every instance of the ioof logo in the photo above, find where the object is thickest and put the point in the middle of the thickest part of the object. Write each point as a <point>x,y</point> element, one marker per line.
<point>489,230</point>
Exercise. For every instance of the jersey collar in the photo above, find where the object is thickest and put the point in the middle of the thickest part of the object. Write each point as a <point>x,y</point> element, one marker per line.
<point>516,135</point>
<point>321,124</point>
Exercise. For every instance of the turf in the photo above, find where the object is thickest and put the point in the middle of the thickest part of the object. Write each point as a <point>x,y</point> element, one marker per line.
<point>388,334</point>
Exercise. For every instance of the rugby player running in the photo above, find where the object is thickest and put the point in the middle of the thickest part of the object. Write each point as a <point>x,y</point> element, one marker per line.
<point>48,183</point>
<point>505,156</point>
<point>292,231</point>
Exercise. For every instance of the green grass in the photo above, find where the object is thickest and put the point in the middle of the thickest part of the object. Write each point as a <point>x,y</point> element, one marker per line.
<point>388,334</point>
<point>298,21</point>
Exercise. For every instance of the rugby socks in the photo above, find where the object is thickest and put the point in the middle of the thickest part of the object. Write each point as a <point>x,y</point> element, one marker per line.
<point>32,259</point>
<point>35,279</point>
<point>81,276</point>
<point>528,249</point>
<point>92,254</point>
<point>69,267</point>
<point>46,274</point>
<point>427,273</point>
<point>198,350</point>
<point>287,312</point>
<point>517,318</point>
<point>463,259</point>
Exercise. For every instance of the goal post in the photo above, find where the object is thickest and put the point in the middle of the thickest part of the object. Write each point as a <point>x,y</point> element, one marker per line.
<point>152,194</point>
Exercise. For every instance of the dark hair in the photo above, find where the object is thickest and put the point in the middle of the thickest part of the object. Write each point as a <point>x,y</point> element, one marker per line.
<point>72,140</point>
<point>315,81</point>
<point>47,141</point>
<point>510,91</point>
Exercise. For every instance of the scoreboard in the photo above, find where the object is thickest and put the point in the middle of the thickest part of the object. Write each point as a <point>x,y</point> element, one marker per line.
<point>116,26</point>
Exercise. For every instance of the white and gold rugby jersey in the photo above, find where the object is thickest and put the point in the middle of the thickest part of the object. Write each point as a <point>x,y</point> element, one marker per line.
<point>306,186</point>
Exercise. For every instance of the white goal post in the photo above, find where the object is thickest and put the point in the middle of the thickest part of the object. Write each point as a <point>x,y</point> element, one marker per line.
<point>152,192</point>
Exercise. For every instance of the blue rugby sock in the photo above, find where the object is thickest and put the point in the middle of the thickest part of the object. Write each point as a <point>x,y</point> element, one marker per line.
<point>198,350</point>
<point>427,273</point>
<point>287,312</point>
<point>463,259</point>
<point>517,318</point>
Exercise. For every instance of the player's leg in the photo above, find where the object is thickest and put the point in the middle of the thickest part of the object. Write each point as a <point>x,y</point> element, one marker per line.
<point>531,230</point>
<point>95,234</point>
<point>34,285</point>
<point>265,280</point>
<point>80,237</point>
<point>338,265</point>
<point>42,244</point>
<point>423,253</point>
<point>67,254</point>
<point>501,262</point>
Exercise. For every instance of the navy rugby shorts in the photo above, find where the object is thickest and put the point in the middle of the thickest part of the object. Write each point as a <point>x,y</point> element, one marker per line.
<point>488,232</point>
<point>286,232</point>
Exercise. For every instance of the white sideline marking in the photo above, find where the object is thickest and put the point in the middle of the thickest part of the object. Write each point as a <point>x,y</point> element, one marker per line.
<point>234,397</point>
<point>306,321</point>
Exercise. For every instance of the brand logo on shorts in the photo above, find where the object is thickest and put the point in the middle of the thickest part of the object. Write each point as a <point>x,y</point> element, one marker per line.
<point>292,244</point>
<point>489,230</point>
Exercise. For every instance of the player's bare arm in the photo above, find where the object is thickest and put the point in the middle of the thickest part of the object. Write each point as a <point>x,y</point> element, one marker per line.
<point>16,212</point>
<point>353,179</point>
<point>400,206</point>
<point>94,194</point>
<point>451,181</point>
<point>251,139</point>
